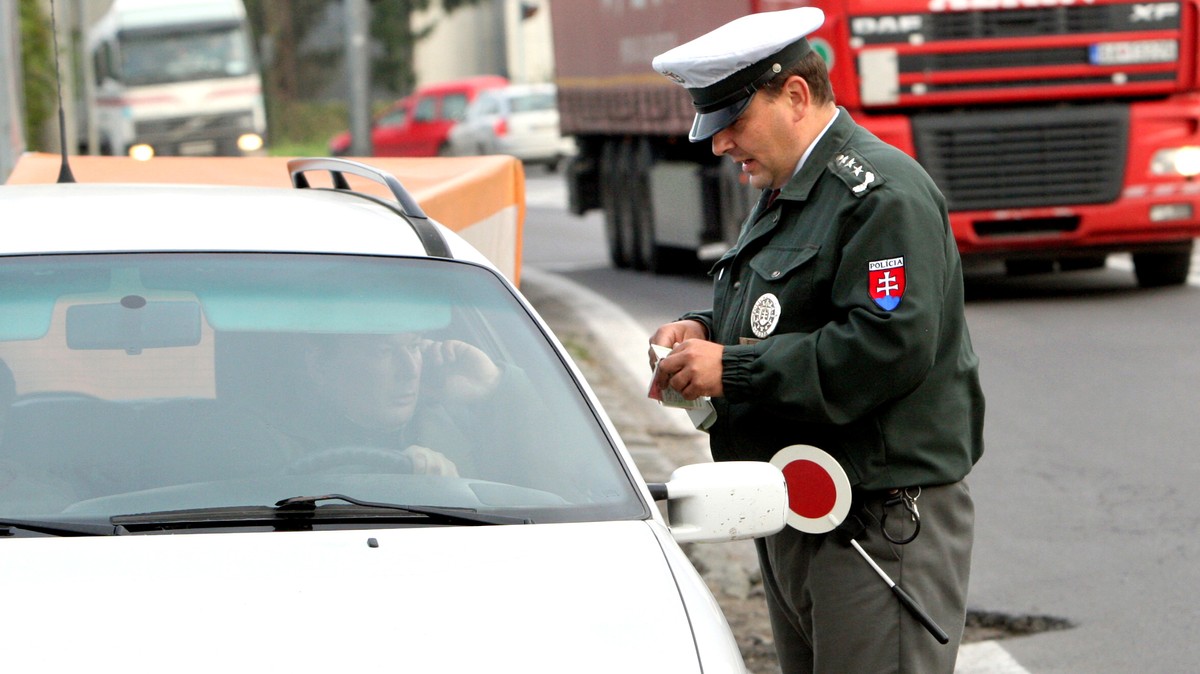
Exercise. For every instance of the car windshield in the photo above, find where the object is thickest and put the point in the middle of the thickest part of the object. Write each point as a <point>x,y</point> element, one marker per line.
<point>152,383</point>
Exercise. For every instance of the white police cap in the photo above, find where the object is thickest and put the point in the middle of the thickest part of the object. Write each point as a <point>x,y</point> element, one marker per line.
<point>722,69</point>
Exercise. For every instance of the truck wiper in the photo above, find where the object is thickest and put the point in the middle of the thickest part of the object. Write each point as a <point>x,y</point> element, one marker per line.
<point>456,516</point>
<point>55,528</point>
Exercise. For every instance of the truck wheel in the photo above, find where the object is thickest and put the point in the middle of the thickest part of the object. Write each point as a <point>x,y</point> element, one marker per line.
<point>643,231</point>
<point>610,204</point>
<point>1157,270</point>
<point>737,199</point>
<point>625,189</point>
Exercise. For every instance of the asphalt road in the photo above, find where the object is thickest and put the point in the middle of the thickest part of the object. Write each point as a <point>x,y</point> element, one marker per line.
<point>1083,497</point>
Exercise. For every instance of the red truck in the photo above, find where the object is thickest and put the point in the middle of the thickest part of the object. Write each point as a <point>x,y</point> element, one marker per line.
<point>1059,130</point>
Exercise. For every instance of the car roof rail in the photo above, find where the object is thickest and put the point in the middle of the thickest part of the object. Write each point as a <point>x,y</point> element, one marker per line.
<point>433,241</point>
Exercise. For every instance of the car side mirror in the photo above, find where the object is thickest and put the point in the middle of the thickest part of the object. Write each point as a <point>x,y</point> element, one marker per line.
<point>724,501</point>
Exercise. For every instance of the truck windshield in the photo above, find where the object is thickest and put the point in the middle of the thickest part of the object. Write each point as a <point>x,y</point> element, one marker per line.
<point>154,57</point>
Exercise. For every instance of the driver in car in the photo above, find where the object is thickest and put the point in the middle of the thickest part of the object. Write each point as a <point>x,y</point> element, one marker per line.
<point>393,394</point>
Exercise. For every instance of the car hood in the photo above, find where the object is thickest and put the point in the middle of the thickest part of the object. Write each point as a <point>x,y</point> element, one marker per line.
<point>599,597</point>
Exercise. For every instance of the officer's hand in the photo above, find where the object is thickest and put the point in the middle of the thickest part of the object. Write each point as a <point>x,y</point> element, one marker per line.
<point>425,461</point>
<point>693,368</point>
<point>458,370</point>
<point>673,333</point>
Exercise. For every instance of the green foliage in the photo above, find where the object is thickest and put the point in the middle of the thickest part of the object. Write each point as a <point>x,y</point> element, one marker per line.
<point>391,28</point>
<point>306,124</point>
<point>37,64</point>
<point>290,76</point>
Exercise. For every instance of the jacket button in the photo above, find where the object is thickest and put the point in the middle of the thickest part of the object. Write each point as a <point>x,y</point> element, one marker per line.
<point>775,274</point>
<point>737,284</point>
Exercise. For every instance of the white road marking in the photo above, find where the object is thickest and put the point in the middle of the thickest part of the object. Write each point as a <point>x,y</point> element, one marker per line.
<point>986,657</point>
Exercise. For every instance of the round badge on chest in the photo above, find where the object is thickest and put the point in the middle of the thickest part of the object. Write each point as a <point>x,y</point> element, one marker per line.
<point>765,315</point>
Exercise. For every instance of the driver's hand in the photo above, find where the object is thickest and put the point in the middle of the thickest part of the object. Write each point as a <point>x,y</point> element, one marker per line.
<point>425,461</point>
<point>458,370</point>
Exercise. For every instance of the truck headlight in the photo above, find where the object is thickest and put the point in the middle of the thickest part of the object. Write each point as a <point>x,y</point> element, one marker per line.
<point>249,142</point>
<point>141,152</point>
<point>1177,161</point>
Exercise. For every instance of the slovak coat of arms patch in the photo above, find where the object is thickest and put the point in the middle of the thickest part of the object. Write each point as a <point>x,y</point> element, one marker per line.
<point>885,280</point>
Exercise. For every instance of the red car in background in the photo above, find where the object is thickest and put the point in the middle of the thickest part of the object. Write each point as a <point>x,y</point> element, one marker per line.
<point>418,125</point>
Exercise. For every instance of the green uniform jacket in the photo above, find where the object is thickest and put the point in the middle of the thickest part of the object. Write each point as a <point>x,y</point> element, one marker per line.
<point>891,391</point>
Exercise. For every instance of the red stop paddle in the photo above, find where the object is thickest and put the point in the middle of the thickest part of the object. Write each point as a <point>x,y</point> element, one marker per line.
<point>818,489</point>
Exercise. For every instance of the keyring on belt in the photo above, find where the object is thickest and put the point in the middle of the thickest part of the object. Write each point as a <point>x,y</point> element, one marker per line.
<point>909,501</point>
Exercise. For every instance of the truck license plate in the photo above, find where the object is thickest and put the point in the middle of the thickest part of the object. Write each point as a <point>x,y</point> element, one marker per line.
<point>1128,53</point>
<point>197,148</point>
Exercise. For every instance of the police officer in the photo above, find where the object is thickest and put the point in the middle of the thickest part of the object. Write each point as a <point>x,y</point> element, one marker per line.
<point>838,322</point>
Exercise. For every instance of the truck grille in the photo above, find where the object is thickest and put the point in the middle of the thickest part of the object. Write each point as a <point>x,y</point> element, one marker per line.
<point>186,128</point>
<point>951,57</point>
<point>1047,21</point>
<point>1025,158</point>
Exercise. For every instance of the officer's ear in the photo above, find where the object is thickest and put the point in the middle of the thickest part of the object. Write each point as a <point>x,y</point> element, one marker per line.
<point>798,95</point>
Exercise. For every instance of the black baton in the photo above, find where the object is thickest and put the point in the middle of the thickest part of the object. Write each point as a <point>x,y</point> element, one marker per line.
<point>909,603</point>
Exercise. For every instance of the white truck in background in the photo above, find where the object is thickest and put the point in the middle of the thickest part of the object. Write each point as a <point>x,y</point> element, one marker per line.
<point>173,78</point>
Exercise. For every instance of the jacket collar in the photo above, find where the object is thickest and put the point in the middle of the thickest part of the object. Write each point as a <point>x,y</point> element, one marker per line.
<point>799,187</point>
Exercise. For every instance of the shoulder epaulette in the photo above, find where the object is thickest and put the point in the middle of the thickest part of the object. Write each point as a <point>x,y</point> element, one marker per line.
<point>856,172</point>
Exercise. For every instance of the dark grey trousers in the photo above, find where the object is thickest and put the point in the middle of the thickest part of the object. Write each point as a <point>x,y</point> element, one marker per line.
<point>830,611</point>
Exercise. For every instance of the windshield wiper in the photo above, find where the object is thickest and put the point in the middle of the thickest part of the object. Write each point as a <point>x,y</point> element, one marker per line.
<point>302,512</point>
<point>457,516</point>
<point>54,528</point>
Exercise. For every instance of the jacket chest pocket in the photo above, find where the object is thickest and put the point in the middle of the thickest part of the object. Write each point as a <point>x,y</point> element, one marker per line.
<point>786,273</point>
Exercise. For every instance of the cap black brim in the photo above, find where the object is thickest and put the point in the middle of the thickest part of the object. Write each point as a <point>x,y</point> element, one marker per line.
<point>708,124</point>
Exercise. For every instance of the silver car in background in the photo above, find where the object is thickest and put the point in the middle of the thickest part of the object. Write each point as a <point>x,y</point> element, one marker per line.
<point>519,120</point>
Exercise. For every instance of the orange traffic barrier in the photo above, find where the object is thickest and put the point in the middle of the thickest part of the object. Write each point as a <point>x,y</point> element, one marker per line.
<point>481,198</point>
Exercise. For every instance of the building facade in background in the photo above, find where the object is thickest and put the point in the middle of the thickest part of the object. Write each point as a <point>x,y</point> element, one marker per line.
<point>495,37</point>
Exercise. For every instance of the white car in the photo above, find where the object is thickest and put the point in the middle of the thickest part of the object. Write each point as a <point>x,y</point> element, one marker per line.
<point>520,120</point>
<point>310,430</point>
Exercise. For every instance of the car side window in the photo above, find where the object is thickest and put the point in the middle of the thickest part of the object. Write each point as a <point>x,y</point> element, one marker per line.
<point>426,110</point>
<point>454,106</point>
<point>394,118</point>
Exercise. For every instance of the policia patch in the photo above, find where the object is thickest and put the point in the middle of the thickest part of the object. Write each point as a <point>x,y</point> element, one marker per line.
<point>856,172</point>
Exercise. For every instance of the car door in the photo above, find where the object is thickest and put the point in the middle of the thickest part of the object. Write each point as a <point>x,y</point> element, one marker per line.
<point>421,135</point>
<point>390,130</point>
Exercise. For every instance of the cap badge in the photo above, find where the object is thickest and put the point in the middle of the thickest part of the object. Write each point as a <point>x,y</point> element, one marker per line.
<point>677,79</point>
<point>765,315</point>
<point>885,281</point>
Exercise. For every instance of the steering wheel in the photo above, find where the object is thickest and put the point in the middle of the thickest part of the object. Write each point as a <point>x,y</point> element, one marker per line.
<point>352,459</point>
